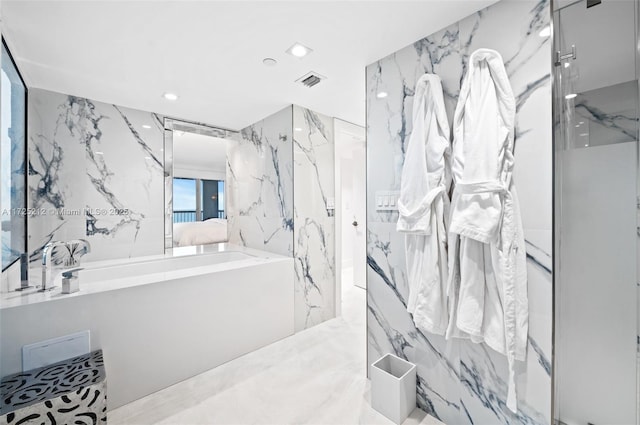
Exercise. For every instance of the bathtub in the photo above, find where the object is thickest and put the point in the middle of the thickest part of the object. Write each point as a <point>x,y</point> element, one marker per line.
<point>111,275</point>
<point>96,273</point>
<point>159,320</point>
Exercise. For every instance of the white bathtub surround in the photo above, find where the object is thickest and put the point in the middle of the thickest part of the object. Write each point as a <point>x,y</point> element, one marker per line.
<point>94,174</point>
<point>313,377</point>
<point>260,185</point>
<point>458,381</point>
<point>314,223</point>
<point>179,314</point>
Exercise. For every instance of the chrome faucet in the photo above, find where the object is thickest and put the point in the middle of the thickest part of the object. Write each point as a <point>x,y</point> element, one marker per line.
<point>71,258</point>
<point>48,250</point>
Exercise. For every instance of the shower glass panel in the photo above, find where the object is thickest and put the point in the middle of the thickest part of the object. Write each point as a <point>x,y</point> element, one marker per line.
<point>596,204</point>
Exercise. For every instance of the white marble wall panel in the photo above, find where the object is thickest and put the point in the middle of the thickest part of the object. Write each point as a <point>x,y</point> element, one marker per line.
<point>460,382</point>
<point>260,185</point>
<point>314,222</point>
<point>94,173</point>
<point>606,115</point>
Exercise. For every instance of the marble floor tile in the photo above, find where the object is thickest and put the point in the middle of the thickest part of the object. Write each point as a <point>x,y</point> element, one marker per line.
<point>317,376</point>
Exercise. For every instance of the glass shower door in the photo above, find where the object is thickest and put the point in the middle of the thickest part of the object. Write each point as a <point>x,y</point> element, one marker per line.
<point>596,237</point>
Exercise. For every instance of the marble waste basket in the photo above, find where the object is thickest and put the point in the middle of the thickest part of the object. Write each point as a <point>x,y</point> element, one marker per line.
<point>393,387</point>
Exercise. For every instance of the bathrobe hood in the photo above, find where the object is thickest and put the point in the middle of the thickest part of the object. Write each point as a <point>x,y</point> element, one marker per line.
<point>483,128</point>
<point>424,172</point>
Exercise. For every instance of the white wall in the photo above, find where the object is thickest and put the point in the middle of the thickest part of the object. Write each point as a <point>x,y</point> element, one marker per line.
<point>346,210</point>
<point>194,173</point>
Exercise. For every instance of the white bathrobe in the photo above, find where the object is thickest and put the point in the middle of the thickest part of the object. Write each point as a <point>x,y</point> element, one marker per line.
<point>423,206</point>
<point>487,258</point>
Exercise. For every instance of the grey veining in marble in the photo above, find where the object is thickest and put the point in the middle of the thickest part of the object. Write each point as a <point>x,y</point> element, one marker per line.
<point>314,223</point>
<point>260,185</point>
<point>460,382</point>
<point>94,172</point>
<point>606,115</point>
<point>280,186</point>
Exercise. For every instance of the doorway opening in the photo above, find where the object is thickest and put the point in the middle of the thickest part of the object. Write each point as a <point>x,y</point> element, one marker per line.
<point>351,238</point>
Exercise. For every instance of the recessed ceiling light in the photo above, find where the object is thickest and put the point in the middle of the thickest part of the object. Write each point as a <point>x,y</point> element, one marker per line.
<point>298,50</point>
<point>170,96</point>
<point>570,96</point>
<point>269,62</point>
<point>382,95</point>
<point>146,126</point>
<point>567,64</point>
<point>545,32</point>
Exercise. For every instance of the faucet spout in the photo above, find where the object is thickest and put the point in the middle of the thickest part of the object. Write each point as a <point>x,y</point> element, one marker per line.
<point>47,252</point>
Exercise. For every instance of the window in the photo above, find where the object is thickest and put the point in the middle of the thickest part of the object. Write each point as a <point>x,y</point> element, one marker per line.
<point>13,95</point>
<point>221,212</point>
<point>197,199</point>
<point>184,200</point>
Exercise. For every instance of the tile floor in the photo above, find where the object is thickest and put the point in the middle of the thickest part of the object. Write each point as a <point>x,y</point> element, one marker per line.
<point>313,377</point>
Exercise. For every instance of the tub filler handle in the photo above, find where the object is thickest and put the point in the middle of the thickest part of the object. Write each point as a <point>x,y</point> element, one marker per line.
<point>70,281</point>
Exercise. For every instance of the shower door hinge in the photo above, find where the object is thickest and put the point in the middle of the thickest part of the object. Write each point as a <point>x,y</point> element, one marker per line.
<point>562,57</point>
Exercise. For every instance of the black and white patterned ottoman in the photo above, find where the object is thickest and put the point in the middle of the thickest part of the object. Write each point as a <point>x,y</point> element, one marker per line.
<point>73,391</point>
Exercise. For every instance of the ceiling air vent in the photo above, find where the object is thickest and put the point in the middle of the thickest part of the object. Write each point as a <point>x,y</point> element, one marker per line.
<point>310,79</point>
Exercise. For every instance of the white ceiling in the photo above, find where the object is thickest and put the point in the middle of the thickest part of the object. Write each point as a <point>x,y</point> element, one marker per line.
<point>210,52</point>
<point>193,151</point>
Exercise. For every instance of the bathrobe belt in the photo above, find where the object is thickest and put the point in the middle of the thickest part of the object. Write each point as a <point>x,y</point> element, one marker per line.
<point>506,229</point>
<point>491,187</point>
<point>424,206</point>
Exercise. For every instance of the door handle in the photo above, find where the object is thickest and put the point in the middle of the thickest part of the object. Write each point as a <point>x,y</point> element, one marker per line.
<point>354,224</point>
<point>562,57</point>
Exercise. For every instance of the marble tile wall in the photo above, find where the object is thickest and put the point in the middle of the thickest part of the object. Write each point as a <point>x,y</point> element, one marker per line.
<point>260,185</point>
<point>94,173</point>
<point>605,115</point>
<point>458,381</point>
<point>314,222</point>
<point>280,183</point>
